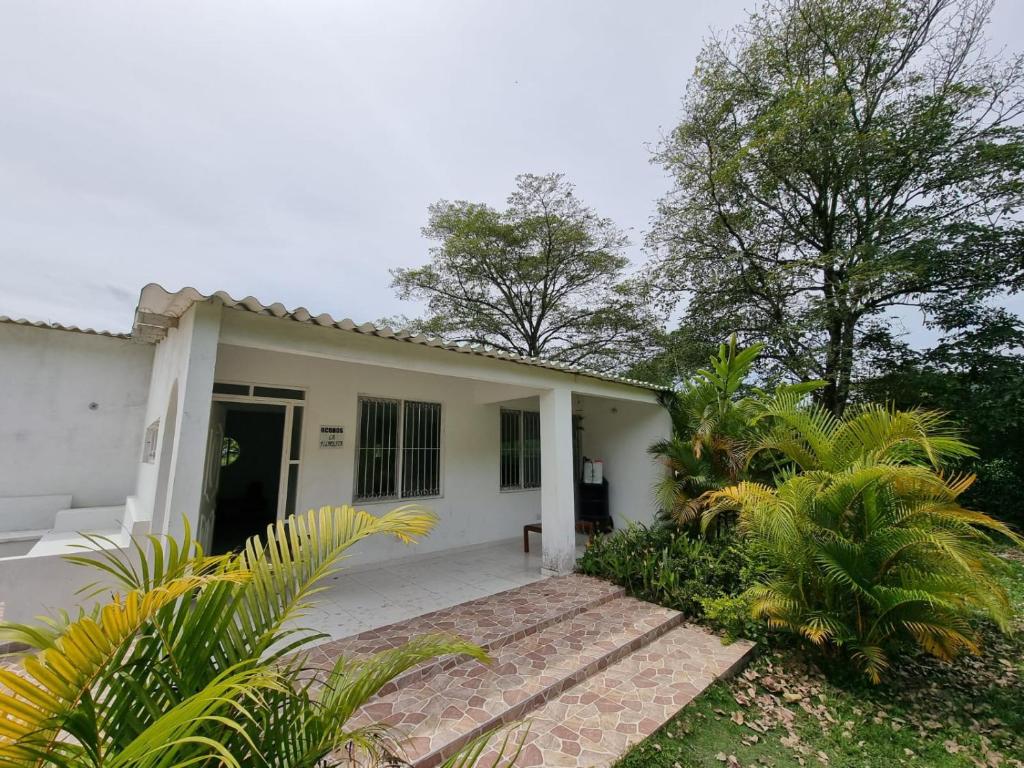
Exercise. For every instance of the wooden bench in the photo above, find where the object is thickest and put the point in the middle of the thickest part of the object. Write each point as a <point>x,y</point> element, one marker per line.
<point>582,526</point>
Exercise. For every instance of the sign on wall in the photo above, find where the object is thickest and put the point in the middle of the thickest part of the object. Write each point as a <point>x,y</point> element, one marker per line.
<point>331,436</point>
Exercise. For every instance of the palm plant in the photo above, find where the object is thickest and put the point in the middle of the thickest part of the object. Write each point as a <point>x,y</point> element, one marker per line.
<point>197,660</point>
<point>870,547</point>
<point>712,418</point>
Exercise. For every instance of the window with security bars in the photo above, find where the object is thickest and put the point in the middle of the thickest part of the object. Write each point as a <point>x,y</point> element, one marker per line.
<point>421,449</point>
<point>398,449</point>
<point>520,449</point>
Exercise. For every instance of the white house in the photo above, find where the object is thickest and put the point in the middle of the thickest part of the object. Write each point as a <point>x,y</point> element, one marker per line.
<point>234,414</point>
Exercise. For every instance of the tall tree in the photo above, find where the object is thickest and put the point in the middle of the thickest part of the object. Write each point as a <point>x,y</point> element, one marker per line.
<point>838,159</point>
<point>545,277</point>
<point>976,374</point>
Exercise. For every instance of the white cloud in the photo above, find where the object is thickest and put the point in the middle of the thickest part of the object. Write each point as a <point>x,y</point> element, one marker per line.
<point>290,150</point>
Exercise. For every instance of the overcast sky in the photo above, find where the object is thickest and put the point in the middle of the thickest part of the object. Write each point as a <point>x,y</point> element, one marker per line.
<point>289,150</point>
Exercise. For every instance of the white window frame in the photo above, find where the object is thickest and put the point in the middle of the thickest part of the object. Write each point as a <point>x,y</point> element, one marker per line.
<point>400,445</point>
<point>521,487</point>
<point>287,462</point>
<point>150,442</point>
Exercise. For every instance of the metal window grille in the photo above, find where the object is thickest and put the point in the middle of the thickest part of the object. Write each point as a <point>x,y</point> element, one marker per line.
<point>377,467</point>
<point>520,449</point>
<point>399,449</point>
<point>511,448</point>
<point>531,449</point>
<point>421,449</point>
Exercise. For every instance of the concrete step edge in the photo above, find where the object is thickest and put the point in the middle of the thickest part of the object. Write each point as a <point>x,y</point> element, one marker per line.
<point>450,662</point>
<point>520,710</point>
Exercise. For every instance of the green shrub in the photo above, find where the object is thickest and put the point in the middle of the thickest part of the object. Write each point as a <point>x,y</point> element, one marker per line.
<point>665,565</point>
<point>732,617</point>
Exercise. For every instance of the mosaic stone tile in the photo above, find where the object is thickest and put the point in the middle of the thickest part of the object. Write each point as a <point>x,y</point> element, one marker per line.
<point>591,671</point>
<point>464,701</point>
<point>593,724</point>
<point>491,622</point>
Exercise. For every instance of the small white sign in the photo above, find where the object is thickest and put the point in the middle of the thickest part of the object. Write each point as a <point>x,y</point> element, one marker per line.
<point>331,436</point>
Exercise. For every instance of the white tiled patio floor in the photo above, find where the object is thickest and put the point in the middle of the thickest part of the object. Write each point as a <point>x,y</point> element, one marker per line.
<point>365,599</point>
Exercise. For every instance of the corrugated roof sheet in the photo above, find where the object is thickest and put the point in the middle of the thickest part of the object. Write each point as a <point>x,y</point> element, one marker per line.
<point>59,327</point>
<point>157,302</point>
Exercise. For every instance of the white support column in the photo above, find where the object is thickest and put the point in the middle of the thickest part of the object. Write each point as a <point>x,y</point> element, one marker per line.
<point>201,324</point>
<point>557,498</point>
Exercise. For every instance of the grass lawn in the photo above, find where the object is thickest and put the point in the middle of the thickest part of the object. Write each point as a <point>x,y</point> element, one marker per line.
<point>782,711</point>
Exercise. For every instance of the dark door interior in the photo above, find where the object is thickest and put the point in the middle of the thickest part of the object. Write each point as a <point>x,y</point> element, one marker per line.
<point>250,474</point>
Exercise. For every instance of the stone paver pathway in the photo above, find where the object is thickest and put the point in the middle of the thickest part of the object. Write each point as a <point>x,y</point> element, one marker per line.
<point>592,671</point>
<point>598,721</point>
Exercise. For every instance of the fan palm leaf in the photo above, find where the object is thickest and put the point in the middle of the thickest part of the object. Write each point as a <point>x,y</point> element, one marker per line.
<point>871,549</point>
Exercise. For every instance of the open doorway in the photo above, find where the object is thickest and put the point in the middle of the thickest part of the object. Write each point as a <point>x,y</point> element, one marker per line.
<point>248,487</point>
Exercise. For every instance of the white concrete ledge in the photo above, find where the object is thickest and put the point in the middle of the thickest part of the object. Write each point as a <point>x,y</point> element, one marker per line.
<point>73,543</point>
<point>10,537</point>
<point>25,513</point>
<point>89,518</point>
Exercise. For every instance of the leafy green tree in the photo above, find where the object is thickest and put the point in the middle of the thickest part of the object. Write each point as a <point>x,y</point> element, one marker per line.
<point>198,660</point>
<point>838,159</point>
<point>868,545</point>
<point>545,277</point>
<point>976,375</point>
<point>675,357</point>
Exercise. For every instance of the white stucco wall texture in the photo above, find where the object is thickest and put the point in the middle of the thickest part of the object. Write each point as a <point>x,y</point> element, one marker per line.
<point>471,508</point>
<point>619,433</point>
<point>179,395</point>
<point>71,414</point>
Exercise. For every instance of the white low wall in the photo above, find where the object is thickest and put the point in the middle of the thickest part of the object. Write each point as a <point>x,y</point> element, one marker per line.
<point>31,513</point>
<point>35,586</point>
<point>71,412</point>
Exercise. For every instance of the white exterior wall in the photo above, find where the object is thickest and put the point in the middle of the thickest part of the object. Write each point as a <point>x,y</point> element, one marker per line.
<point>619,433</point>
<point>179,396</point>
<point>472,509</point>
<point>51,441</point>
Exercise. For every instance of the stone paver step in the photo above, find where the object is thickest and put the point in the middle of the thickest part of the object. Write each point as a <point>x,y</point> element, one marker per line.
<point>491,622</point>
<point>594,723</point>
<point>440,712</point>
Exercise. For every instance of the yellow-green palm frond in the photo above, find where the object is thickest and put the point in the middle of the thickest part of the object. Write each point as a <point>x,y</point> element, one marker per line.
<point>820,628</point>
<point>872,659</point>
<point>352,682</point>
<point>745,495</point>
<point>915,435</point>
<point>56,678</point>
<point>157,560</point>
<point>125,673</point>
<point>868,542</point>
<point>735,498</point>
<point>782,444</point>
<point>502,747</point>
<point>300,552</point>
<point>186,733</point>
<point>775,601</point>
<point>803,432</point>
<point>324,534</point>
